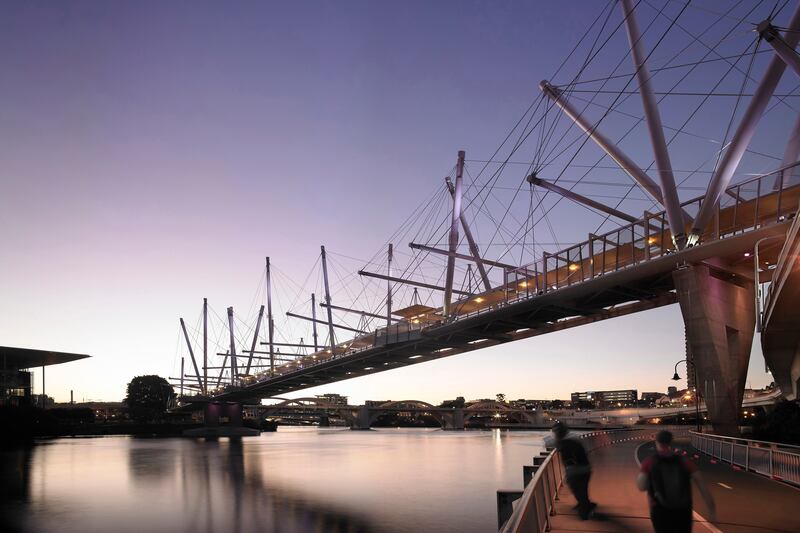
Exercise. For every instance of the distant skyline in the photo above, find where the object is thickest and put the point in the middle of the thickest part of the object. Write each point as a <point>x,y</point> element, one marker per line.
<point>154,153</point>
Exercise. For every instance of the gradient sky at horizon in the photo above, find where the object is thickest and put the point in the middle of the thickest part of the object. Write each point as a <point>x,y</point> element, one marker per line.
<point>154,152</point>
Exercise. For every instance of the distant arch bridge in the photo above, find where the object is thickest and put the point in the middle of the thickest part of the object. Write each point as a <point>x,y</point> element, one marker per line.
<point>364,416</point>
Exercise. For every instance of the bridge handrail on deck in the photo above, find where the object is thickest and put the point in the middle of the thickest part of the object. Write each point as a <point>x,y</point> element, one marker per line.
<point>776,461</point>
<point>783,266</point>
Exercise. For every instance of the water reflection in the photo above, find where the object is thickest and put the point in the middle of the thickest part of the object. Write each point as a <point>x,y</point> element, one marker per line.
<point>14,488</point>
<point>295,481</point>
<point>148,463</point>
<point>219,493</point>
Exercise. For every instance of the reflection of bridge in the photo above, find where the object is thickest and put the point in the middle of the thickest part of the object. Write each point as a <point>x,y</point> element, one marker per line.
<point>697,252</point>
<point>364,416</point>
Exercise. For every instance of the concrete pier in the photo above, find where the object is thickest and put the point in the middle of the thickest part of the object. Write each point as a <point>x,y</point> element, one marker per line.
<point>718,311</point>
<point>222,419</point>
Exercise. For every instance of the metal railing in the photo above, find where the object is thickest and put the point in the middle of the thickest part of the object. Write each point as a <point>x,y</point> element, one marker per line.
<point>777,461</point>
<point>783,267</point>
<point>533,510</point>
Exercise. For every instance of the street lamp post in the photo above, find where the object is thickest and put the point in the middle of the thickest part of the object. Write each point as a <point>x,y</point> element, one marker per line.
<point>676,377</point>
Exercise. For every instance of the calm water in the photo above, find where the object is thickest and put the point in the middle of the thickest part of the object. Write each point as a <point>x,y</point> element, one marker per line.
<point>295,480</point>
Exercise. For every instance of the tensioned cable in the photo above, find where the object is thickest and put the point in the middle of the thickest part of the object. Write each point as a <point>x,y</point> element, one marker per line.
<point>586,138</point>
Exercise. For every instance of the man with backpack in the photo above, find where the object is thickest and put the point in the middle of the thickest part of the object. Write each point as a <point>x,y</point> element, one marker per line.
<point>578,470</point>
<point>667,477</point>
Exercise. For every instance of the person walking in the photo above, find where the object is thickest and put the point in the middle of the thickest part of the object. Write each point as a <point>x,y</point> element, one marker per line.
<point>667,477</point>
<point>577,467</point>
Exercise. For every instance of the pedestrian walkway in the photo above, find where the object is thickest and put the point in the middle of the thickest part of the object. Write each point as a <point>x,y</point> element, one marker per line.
<point>745,501</point>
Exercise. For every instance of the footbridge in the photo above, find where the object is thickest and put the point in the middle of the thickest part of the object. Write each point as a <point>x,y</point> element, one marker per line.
<point>708,251</point>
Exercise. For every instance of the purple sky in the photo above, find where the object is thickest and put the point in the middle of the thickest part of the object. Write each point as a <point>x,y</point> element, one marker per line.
<point>154,152</point>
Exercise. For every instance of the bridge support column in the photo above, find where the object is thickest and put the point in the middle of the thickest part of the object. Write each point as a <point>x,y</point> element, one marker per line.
<point>454,420</point>
<point>362,419</point>
<point>720,321</point>
<point>222,419</point>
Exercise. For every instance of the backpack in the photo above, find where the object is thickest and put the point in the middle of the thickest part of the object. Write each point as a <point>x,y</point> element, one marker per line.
<point>670,483</point>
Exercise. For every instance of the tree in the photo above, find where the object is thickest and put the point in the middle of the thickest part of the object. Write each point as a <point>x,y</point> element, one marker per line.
<point>148,397</point>
<point>501,398</point>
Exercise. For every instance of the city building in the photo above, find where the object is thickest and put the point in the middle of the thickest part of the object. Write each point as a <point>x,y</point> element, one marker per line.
<point>17,377</point>
<point>610,398</point>
<point>335,399</point>
<point>649,398</point>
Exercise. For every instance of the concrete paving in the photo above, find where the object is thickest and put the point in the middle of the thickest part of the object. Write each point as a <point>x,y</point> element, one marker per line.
<point>745,501</point>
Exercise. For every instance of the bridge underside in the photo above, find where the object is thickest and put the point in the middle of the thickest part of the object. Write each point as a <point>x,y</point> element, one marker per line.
<point>647,285</point>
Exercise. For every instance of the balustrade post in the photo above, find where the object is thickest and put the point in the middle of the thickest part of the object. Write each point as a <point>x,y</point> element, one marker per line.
<point>771,470</point>
<point>747,457</point>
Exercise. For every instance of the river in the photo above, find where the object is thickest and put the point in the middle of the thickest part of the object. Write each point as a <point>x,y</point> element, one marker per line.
<point>293,480</point>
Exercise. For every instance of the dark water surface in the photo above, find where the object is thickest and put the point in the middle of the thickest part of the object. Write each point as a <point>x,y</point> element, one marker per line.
<point>295,480</point>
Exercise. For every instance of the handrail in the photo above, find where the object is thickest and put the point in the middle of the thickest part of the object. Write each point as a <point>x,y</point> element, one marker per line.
<point>530,505</point>
<point>781,266</point>
<point>768,443</point>
<point>780,462</point>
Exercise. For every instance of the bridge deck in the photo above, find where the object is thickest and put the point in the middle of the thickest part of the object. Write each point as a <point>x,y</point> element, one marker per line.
<point>745,502</point>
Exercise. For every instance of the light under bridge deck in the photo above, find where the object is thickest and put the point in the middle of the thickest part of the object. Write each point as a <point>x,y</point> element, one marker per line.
<point>621,272</point>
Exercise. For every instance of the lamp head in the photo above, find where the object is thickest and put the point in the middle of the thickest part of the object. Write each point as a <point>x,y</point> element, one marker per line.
<point>676,377</point>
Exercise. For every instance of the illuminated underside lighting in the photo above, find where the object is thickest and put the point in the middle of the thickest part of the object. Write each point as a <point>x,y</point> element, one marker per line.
<point>478,341</point>
<point>369,368</point>
<point>415,357</point>
<point>573,267</point>
<point>651,240</point>
<point>521,330</point>
<point>747,254</point>
<point>478,299</point>
<point>442,350</point>
<point>523,284</point>
<point>415,321</point>
<point>348,373</point>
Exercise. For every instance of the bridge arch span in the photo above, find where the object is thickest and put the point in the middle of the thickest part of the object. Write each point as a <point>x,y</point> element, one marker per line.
<point>494,407</point>
<point>376,411</point>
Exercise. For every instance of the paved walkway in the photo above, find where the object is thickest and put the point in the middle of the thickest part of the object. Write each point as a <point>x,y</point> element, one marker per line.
<point>745,501</point>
